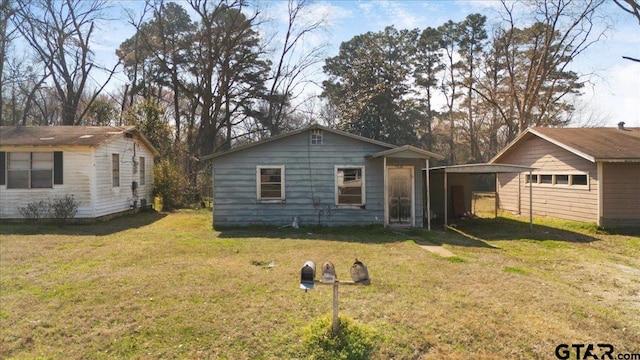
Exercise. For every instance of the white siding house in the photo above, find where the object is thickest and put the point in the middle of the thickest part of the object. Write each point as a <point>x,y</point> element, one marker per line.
<point>108,170</point>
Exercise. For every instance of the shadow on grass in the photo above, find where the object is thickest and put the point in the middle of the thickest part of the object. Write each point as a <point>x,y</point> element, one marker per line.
<point>97,228</point>
<point>373,234</point>
<point>478,231</point>
<point>472,233</point>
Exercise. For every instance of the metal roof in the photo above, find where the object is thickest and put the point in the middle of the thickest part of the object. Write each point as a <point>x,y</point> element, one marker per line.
<point>481,169</point>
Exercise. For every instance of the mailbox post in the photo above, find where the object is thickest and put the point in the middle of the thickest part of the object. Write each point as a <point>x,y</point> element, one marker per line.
<point>359,274</point>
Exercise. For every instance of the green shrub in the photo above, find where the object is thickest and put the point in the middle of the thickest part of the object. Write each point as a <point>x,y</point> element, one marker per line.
<point>352,342</point>
<point>35,211</point>
<point>61,209</point>
<point>64,208</point>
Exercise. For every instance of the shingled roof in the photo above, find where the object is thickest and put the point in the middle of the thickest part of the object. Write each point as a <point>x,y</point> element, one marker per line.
<point>65,135</point>
<point>593,144</point>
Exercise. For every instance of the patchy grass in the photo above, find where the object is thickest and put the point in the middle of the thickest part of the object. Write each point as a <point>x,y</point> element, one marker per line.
<point>168,286</point>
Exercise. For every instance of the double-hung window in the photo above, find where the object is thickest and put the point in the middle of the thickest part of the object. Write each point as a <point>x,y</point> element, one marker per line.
<point>143,171</point>
<point>31,170</point>
<point>349,185</point>
<point>115,170</point>
<point>270,183</point>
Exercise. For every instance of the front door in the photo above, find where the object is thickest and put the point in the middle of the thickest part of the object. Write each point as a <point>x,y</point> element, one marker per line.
<point>400,195</point>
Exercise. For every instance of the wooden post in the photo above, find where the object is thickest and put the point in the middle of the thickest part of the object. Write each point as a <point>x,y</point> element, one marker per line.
<point>336,320</point>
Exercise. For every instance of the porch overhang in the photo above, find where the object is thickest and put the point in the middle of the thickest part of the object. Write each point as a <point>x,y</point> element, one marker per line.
<point>406,152</point>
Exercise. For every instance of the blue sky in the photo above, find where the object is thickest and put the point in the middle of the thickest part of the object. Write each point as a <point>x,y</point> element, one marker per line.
<point>611,95</point>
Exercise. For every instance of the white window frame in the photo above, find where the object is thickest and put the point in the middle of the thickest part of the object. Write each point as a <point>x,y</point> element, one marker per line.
<point>316,137</point>
<point>259,184</point>
<point>554,182</point>
<point>363,189</point>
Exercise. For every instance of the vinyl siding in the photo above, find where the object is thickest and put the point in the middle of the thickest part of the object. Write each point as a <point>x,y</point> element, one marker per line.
<point>110,199</point>
<point>559,201</point>
<point>309,183</point>
<point>621,194</point>
<point>77,182</point>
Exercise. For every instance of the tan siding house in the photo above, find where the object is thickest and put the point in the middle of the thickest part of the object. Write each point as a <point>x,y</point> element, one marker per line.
<point>582,174</point>
<point>107,170</point>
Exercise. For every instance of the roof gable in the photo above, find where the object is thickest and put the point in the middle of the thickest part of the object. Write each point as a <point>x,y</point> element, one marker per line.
<point>592,144</point>
<point>296,132</point>
<point>66,135</point>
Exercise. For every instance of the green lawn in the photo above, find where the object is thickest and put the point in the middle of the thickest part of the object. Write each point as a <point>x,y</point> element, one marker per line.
<point>168,286</point>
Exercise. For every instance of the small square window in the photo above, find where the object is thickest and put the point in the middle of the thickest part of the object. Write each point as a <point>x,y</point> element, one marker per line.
<point>531,179</point>
<point>316,137</point>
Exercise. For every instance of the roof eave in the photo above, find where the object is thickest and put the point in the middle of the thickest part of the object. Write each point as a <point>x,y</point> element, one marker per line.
<point>296,132</point>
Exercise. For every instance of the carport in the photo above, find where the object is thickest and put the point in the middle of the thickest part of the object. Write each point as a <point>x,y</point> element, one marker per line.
<point>460,175</point>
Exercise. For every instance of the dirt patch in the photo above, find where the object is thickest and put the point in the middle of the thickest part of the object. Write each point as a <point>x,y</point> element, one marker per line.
<point>436,249</point>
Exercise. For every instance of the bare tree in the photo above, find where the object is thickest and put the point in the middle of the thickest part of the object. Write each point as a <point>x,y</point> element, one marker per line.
<point>59,33</point>
<point>536,60</point>
<point>291,64</point>
<point>630,6</point>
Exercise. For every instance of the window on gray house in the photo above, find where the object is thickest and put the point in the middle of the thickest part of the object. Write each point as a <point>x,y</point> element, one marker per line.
<point>316,137</point>
<point>270,183</point>
<point>349,185</point>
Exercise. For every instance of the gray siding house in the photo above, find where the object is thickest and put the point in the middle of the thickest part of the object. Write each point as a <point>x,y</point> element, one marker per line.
<point>319,176</point>
<point>582,174</point>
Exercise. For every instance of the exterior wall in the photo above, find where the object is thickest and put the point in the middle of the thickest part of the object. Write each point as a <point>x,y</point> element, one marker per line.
<point>559,201</point>
<point>309,183</point>
<point>620,194</point>
<point>77,178</point>
<point>87,176</point>
<point>109,199</point>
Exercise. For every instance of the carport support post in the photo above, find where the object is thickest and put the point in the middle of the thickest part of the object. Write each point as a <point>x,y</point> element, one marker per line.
<point>426,164</point>
<point>530,201</point>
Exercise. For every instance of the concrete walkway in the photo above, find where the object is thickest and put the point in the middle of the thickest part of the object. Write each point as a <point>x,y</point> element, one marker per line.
<point>436,249</point>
